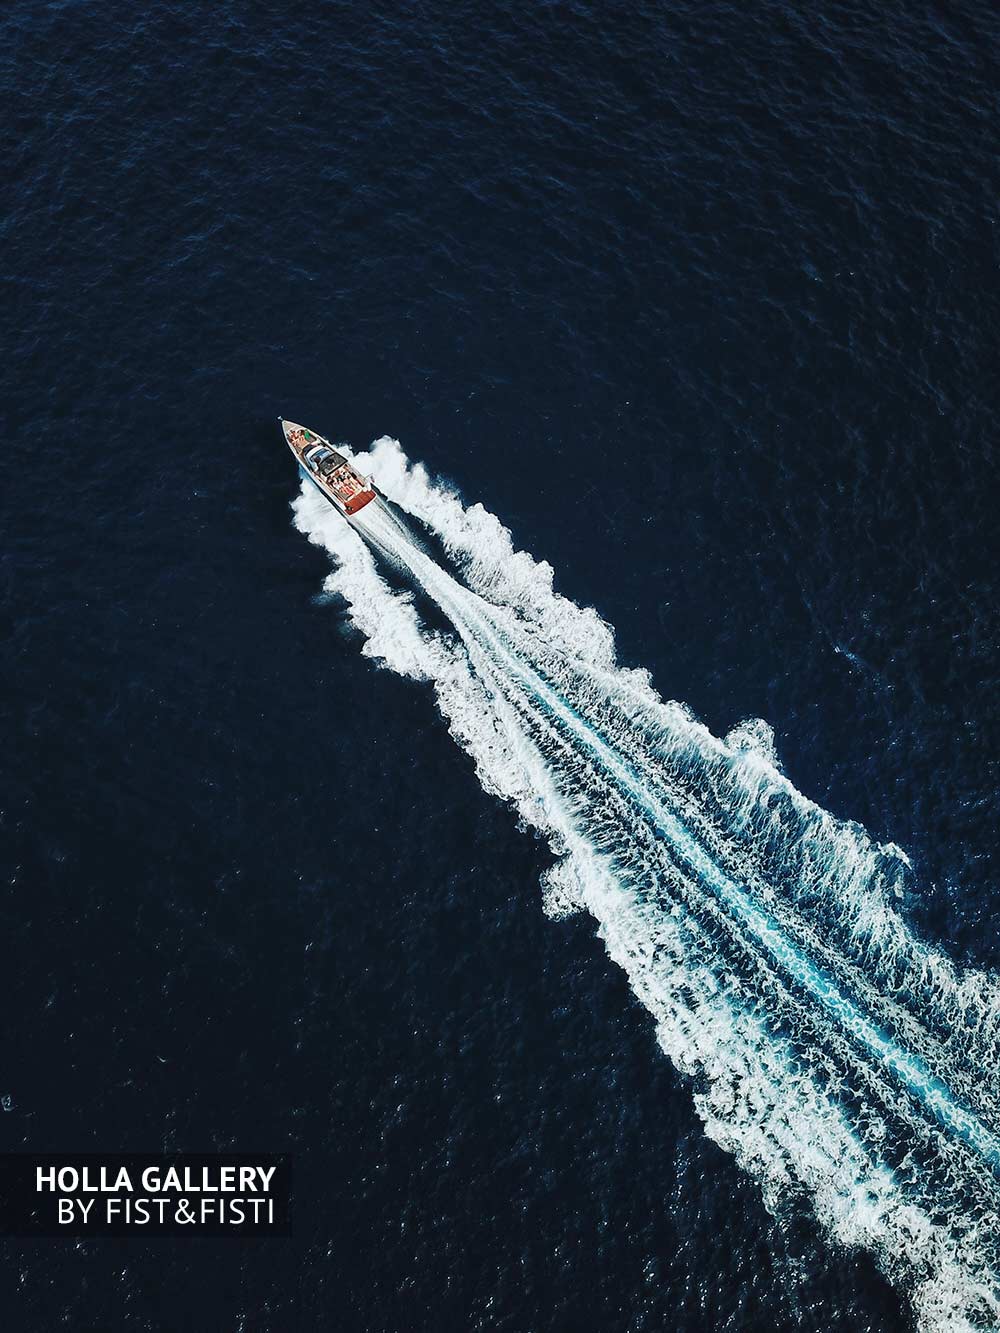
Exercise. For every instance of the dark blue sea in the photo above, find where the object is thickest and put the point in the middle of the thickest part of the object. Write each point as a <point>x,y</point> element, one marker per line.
<point>701,302</point>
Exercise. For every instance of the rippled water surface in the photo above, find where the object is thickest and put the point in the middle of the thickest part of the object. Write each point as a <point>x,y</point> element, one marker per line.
<point>700,301</point>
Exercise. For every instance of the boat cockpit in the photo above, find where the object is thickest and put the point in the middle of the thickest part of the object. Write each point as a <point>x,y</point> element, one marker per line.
<point>323,460</point>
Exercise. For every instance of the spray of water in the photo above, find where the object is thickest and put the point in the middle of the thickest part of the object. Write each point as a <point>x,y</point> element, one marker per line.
<point>835,1054</point>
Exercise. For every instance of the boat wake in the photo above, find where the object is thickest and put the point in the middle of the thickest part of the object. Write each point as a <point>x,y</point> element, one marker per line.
<point>835,1054</point>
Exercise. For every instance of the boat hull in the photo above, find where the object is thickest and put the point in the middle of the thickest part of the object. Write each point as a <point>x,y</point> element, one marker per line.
<point>329,471</point>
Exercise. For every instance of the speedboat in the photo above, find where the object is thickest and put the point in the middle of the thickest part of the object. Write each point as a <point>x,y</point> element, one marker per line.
<point>328,470</point>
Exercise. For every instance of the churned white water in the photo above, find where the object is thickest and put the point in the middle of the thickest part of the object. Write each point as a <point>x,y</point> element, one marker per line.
<point>831,1050</point>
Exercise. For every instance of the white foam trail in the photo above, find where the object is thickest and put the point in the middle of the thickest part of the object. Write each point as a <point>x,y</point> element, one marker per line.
<point>832,1050</point>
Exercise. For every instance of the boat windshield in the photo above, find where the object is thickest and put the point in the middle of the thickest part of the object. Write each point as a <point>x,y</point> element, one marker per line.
<point>324,460</point>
